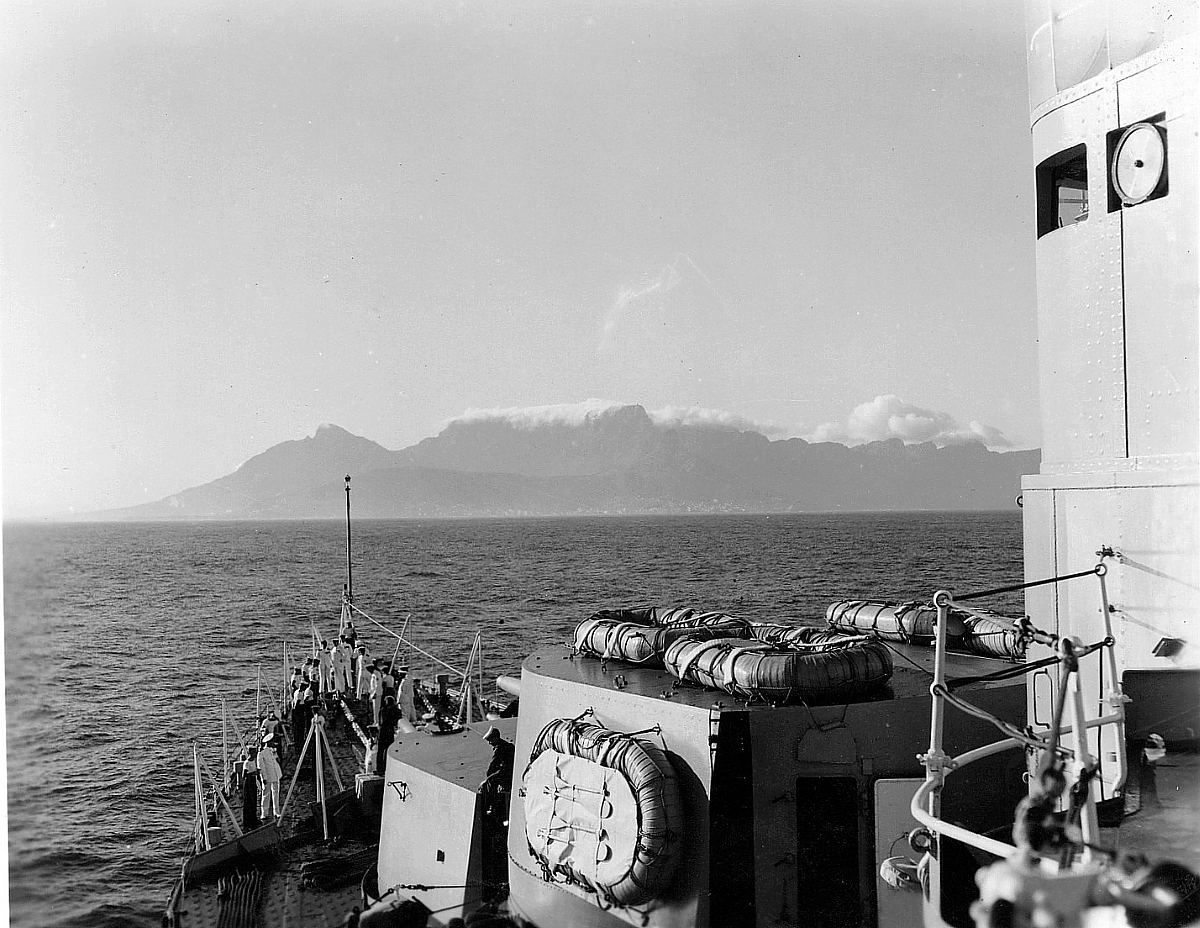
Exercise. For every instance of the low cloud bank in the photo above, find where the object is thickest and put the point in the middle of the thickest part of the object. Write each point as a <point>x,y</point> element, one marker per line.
<point>889,416</point>
<point>880,419</point>
<point>699,416</point>
<point>532,417</point>
<point>575,414</point>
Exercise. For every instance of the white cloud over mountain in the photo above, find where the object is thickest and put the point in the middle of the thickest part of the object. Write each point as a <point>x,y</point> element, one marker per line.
<point>574,414</point>
<point>885,417</point>
<point>888,416</point>
<point>532,417</point>
<point>711,418</point>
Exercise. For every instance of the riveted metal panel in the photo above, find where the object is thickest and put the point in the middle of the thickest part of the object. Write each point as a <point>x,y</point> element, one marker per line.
<point>1080,326</point>
<point>1162,290</point>
<point>1069,41</point>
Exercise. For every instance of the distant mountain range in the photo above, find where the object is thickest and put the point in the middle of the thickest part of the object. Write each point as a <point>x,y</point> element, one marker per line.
<point>617,461</point>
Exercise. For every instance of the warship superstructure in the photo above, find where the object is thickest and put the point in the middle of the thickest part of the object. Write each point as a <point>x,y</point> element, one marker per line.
<point>1113,92</point>
<point>855,812</point>
<point>655,780</point>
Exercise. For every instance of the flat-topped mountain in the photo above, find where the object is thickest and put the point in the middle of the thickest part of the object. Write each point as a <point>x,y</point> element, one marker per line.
<point>614,460</point>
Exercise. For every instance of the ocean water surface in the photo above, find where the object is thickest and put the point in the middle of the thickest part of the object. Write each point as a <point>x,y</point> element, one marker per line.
<point>121,640</point>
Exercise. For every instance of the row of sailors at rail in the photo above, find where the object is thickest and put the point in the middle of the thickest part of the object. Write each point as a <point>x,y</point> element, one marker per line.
<point>341,666</point>
<point>375,681</point>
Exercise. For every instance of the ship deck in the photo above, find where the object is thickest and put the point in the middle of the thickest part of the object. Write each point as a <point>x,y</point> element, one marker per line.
<point>1163,808</point>
<point>302,881</point>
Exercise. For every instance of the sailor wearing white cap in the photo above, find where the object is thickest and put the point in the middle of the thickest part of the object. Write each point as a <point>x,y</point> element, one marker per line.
<point>271,774</point>
<point>364,672</point>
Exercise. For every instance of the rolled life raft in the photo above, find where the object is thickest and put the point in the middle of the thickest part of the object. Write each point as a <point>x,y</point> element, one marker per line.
<point>643,634</point>
<point>602,810</point>
<point>784,664</point>
<point>975,631</point>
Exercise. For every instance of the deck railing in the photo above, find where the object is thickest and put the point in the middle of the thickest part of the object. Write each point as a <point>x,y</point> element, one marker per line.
<point>1069,718</point>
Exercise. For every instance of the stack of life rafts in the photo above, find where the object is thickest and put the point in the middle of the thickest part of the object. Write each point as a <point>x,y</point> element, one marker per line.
<point>774,663</point>
<point>848,659</point>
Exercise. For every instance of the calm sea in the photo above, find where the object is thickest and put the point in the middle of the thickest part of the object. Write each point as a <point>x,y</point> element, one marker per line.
<point>120,641</point>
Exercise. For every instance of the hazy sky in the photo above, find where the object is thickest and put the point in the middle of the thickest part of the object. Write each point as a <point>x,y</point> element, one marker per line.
<point>225,223</point>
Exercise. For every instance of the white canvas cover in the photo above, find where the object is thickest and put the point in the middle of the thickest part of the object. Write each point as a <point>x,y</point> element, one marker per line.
<point>581,816</point>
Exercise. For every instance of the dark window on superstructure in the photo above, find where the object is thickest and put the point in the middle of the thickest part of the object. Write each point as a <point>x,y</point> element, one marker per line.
<point>1062,190</point>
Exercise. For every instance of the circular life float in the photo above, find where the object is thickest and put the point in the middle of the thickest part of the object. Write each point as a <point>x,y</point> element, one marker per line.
<point>643,634</point>
<point>810,664</point>
<point>976,631</point>
<point>602,810</point>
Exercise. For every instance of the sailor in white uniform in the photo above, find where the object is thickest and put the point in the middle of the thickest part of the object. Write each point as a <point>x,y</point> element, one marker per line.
<point>404,698</point>
<point>347,652</point>
<point>325,662</point>
<point>364,672</point>
<point>338,659</point>
<point>271,774</point>
<point>376,693</point>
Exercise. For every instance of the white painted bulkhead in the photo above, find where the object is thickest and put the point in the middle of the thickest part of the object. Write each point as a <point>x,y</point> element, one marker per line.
<point>428,832</point>
<point>1118,313</point>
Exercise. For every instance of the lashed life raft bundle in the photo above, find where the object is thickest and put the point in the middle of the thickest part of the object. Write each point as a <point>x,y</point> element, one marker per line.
<point>775,663</point>
<point>975,631</point>
<point>787,663</point>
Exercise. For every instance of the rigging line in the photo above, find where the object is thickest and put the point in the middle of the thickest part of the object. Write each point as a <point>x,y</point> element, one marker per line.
<point>905,657</point>
<point>1025,586</point>
<point>1005,674</point>
<point>375,622</point>
<point>432,657</point>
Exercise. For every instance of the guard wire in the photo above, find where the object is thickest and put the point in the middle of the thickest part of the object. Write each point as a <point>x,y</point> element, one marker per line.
<point>1095,571</point>
<point>900,654</point>
<point>1007,728</point>
<point>1008,672</point>
<point>1005,674</point>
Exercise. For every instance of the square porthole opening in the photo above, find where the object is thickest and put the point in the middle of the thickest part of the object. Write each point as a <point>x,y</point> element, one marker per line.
<point>1062,190</point>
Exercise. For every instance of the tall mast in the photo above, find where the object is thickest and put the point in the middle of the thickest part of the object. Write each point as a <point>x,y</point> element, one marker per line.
<point>349,568</point>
